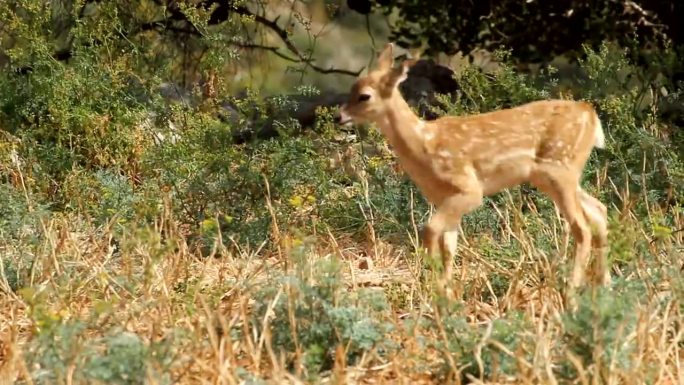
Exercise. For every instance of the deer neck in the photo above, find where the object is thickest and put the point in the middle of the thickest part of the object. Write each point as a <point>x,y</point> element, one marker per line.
<point>403,129</point>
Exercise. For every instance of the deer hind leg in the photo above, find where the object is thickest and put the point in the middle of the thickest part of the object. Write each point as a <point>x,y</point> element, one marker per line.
<point>597,215</point>
<point>561,185</point>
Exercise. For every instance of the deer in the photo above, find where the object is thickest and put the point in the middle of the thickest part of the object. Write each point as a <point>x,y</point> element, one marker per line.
<point>455,161</point>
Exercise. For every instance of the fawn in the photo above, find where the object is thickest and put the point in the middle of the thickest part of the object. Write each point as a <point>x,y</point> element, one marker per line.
<point>456,161</point>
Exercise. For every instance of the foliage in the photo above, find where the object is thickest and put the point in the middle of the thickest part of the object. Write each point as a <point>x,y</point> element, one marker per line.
<point>598,332</point>
<point>318,317</point>
<point>535,30</point>
<point>479,350</point>
<point>187,41</point>
<point>61,345</point>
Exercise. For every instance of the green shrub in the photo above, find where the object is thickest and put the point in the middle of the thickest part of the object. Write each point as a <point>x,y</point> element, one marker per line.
<point>313,313</point>
<point>599,331</point>
<point>62,348</point>
<point>481,351</point>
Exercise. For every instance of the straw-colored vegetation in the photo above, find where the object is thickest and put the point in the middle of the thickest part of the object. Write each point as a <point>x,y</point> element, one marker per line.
<point>126,259</point>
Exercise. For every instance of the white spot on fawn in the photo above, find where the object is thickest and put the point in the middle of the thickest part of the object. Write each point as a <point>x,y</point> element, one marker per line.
<point>444,154</point>
<point>518,153</point>
<point>419,128</point>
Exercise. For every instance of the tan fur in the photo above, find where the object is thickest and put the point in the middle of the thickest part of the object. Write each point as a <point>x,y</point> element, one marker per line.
<point>456,161</point>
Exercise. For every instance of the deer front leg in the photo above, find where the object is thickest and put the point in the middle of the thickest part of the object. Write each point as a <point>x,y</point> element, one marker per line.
<point>441,231</point>
<point>448,247</point>
<point>437,239</point>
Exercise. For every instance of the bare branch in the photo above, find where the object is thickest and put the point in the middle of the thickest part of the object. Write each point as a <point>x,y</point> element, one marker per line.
<point>283,35</point>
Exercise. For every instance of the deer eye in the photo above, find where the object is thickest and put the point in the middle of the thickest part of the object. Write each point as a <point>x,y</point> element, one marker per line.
<point>364,97</point>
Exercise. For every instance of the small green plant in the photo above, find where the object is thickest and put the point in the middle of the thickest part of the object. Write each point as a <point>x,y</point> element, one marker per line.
<point>489,351</point>
<point>601,329</point>
<point>62,349</point>
<point>314,314</point>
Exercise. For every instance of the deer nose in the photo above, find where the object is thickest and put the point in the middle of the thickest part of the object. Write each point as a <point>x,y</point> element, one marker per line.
<point>342,117</point>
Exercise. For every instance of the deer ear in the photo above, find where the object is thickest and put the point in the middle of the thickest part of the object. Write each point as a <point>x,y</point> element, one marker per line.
<point>385,58</point>
<point>398,75</point>
<point>407,64</point>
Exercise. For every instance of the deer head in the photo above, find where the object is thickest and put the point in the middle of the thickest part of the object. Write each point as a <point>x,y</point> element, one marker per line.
<point>374,93</point>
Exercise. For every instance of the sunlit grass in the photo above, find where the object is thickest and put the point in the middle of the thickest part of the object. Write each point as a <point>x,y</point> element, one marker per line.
<point>129,304</point>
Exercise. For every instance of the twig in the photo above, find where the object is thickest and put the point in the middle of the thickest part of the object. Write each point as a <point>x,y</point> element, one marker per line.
<point>283,35</point>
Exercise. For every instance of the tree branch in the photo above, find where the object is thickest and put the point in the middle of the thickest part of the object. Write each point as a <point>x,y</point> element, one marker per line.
<point>219,15</point>
<point>283,35</point>
<point>276,51</point>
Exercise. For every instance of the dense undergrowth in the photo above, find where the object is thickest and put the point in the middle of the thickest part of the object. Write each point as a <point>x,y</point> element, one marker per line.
<point>140,245</point>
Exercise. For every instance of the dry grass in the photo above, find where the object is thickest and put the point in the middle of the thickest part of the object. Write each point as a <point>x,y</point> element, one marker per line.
<point>151,283</point>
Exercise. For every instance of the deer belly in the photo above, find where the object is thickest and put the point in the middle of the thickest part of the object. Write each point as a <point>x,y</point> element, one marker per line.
<point>503,174</point>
